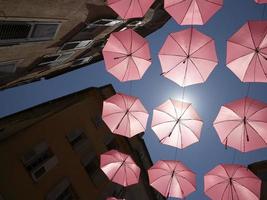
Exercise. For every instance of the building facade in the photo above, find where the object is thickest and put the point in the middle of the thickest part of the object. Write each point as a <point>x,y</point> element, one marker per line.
<point>47,38</point>
<point>52,152</point>
<point>260,169</point>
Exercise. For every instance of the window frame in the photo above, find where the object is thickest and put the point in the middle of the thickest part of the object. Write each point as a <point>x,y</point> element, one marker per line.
<point>29,37</point>
<point>57,60</point>
<point>78,46</point>
<point>110,23</point>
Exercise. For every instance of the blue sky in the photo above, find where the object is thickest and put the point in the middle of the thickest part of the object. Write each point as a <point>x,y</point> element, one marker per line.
<point>221,87</point>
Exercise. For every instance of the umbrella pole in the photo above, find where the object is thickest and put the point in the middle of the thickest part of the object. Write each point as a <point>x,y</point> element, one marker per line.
<point>122,119</point>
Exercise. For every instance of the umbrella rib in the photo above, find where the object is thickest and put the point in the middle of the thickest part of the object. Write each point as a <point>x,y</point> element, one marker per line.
<point>235,192</point>
<point>197,70</point>
<point>201,47</point>
<point>166,113</point>
<point>138,121</point>
<point>265,73</point>
<point>263,37</point>
<point>182,192</point>
<point>251,35</point>
<point>256,112</point>
<point>141,58</point>
<point>194,57</point>
<point>214,2</point>
<point>215,185</point>
<point>185,179</point>
<point>112,114</point>
<point>192,119</point>
<point>185,74</point>
<point>174,67</point>
<point>115,2</point>
<point>240,45</point>
<point>127,69</point>
<point>249,65</point>
<point>131,170</point>
<point>140,47</point>
<point>243,186</point>
<point>224,191</point>
<point>187,12</point>
<point>181,138</point>
<point>128,9</point>
<point>256,121</point>
<point>162,123</point>
<point>166,54</point>
<point>117,170</point>
<point>159,177</point>
<point>189,129</point>
<point>231,120</point>
<point>178,44</point>
<point>136,67</point>
<point>128,125</point>
<point>143,13</point>
<point>258,133</point>
<point>199,13</point>
<point>168,189</point>
<point>174,108</point>
<point>121,43</point>
<point>174,4</point>
<point>232,131</point>
<point>124,101</point>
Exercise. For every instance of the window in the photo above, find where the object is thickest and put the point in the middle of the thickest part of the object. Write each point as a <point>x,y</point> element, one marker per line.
<point>105,22</point>
<point>97,121</point>
<point>23,31</point>
<point>81,61</point>
<point>135,23</point>
<point>91,165</point>
<point>8,67</point>
<point>39,160</point>
<point>79,141</point>
<point>62,191</point>
<point>76,45</point>
<point>55,59</point>
<point>119,192</point>
<point>111,142</point>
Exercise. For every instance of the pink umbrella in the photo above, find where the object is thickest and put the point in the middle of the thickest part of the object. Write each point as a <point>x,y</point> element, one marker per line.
<point>172,178</point>
<point>119,168</point>
<point>113,198</point>
<point>232,182</point>
<point>192,12</point>
<point>188,57</point>
<point>261,1</point>
<point>242,124</point>
<point>128,9</point>
<point>247,52</point>
<point>176,123</point>
<point>124,115</point>
<point>127,55</point>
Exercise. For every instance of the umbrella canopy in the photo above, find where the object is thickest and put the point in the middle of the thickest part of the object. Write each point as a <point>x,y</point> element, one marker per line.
<point>128,9</point>
<point>261,1</point>
<point>126,55</point>
<point>188,57</point>
<point>192,12</point>
<point>124,115</point>
<point>172,178</point>
<point>119,168</point>
<point>232,182</point>
<point>176,123</point>
<point>247,52</point>
<point>242,124</point>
